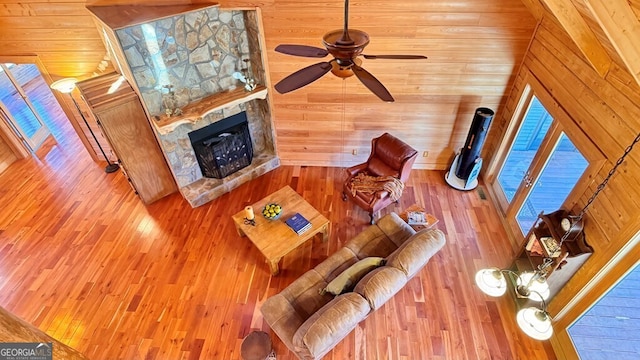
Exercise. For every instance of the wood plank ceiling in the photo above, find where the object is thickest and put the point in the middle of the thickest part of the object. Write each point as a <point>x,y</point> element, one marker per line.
<point>604,30</point>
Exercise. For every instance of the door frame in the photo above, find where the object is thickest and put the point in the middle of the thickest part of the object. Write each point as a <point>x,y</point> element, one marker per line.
<point>7,133</point>
<point>562,122</point>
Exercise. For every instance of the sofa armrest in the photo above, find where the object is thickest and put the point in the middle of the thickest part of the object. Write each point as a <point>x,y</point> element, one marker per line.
<point>416,251</point>
<point>282,318</point>
<point>329,325</point>
<point>396,229</point>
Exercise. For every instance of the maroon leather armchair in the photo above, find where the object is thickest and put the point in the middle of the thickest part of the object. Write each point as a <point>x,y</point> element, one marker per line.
<point>389,157</point>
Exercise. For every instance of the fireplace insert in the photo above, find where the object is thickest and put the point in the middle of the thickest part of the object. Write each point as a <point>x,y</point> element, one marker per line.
<point>223,147</point>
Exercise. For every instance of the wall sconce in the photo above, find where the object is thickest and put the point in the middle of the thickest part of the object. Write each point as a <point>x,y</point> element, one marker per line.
<point>66,86</point>
<point>533,321</point>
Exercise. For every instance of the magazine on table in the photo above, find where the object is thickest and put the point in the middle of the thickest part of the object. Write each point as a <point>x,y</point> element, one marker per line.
<point>418,218</point>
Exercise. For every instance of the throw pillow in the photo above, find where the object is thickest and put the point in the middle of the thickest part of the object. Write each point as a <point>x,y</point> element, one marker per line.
<point>350,276</point>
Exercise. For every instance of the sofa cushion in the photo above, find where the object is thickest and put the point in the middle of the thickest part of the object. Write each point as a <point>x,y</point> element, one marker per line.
<point>303,295</point>
<point>377,167</point>
<point>350,277</point>
<point>329,325</point>
<point>380,285</point>
<point>416,251</point>
<point>335,264</point>
<point>381,239</point>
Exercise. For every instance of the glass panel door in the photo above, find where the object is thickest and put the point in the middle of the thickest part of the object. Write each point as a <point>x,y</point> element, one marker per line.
<point>534,127</point>
<point>18,110</point>
<point>559,175</point>
<point>540,167</point>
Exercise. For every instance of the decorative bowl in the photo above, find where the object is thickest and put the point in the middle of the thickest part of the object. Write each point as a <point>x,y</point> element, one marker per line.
<point>272,211</point>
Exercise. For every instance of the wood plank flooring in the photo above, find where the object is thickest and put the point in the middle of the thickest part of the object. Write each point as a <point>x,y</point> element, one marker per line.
<point>84,260</point>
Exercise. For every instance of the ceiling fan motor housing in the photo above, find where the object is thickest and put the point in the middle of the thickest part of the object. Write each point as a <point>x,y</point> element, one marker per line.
<point>345,49</point>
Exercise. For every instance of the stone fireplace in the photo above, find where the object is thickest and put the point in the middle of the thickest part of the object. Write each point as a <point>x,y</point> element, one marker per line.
<point>186,62</point>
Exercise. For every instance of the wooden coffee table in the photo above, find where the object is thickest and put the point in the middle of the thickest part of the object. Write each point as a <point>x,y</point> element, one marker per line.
<point>274,238</point>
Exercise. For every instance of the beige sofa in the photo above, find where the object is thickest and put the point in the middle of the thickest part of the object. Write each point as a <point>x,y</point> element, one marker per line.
<point>311,324</point>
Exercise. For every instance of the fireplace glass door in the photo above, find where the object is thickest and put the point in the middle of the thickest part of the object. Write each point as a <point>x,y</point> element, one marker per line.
<point>223,147</point>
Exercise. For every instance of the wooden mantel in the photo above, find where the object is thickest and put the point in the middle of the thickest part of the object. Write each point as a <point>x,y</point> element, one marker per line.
<point>199,109</point>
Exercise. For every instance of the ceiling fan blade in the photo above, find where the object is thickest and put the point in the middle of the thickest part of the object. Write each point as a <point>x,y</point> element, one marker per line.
<point>398,57</point>
<point>302,50</point>
<point>303,77</point>
<point>372,83</point>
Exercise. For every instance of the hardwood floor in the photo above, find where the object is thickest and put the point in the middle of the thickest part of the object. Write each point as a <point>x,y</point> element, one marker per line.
<point>84,260</point>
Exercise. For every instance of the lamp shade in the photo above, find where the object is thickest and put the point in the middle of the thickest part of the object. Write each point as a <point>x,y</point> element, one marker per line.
<point>537,285</point>
<point>65,85</point>
<point>491,282</point>
<point>535,323</point>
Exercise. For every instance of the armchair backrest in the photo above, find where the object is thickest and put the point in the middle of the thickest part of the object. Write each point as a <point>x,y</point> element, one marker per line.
<point>391,156</point>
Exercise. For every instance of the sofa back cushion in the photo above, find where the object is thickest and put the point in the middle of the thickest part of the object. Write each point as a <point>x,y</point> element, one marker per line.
<point>329,325</point>
<point>392,151</point>
<point>416,251</point>
<point>377,167</point>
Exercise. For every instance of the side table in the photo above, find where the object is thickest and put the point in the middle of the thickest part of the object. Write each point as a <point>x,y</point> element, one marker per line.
<point>431,220</point>
<point>257,346</point>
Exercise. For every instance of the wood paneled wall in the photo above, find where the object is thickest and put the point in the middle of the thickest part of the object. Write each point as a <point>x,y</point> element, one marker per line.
<point>62,34</point>
<point>7,157</point>
<point>474,48</point>
<point>607,109</point>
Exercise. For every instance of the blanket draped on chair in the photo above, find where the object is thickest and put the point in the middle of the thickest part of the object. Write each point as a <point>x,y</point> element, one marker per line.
<point>370,184</point>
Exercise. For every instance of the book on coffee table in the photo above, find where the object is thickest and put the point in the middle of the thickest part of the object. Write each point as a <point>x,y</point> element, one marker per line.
<point>298,223</point>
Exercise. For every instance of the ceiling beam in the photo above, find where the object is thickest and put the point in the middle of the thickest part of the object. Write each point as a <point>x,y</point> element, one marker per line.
<point>535,8</point>
<point>580,32</point>
<point>622,27</point>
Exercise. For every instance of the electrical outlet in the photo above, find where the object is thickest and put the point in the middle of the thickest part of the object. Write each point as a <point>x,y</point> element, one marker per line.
<point>354,151</point>
<point>425,154</point>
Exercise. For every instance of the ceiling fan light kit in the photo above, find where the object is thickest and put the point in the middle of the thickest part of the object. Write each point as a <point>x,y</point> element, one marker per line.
<point>345,45</point>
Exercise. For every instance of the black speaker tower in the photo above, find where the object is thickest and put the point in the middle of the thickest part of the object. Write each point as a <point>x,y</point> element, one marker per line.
<point>465,168</point>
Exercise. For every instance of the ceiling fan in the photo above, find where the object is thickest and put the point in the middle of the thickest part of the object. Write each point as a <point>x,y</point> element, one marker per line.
<point>345,45</point>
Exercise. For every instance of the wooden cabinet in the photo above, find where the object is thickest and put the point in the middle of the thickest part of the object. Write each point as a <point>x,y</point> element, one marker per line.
<point>125,124</point>
<point>544,241</point>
